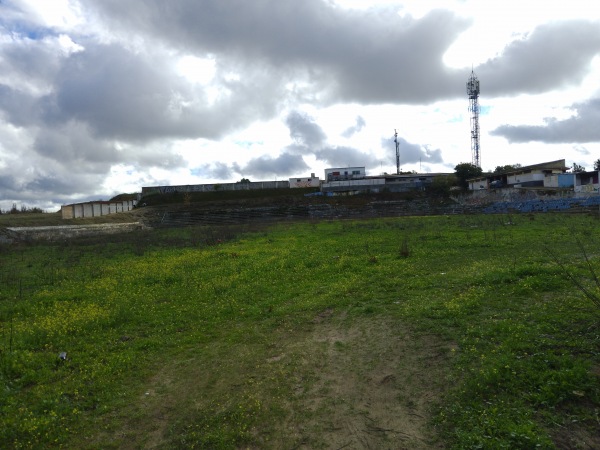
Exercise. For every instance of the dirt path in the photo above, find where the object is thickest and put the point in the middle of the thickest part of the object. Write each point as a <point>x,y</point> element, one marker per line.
<point>374,385</point>
<point>360,383</point>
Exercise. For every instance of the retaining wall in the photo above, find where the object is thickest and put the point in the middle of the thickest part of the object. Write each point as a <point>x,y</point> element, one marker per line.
<point>216,187</point>
<point>57,233</point>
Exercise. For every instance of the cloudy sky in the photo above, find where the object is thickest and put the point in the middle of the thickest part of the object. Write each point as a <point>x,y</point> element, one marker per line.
<point>99,97</point>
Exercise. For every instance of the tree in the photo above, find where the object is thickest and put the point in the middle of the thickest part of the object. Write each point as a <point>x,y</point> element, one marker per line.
<point>465,171</point>
<point>442,185</point>
<point>597,165</point>
<point>506,168</point>
<point>577,168</point>
<point>244,180</point>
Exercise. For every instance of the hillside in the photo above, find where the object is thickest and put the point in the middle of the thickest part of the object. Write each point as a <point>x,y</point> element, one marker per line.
<point>243,206</point>
<point>277,205</point>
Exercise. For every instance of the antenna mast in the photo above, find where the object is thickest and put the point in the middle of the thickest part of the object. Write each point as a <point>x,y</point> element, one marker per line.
<point>397,152</point>
<point>473,92</point>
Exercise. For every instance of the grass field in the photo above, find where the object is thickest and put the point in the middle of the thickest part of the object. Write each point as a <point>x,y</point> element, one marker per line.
<point>55,219</point>
<point>431,332</point>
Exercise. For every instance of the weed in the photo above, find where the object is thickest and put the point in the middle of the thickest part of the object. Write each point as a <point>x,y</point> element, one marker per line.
<point>404,251</point>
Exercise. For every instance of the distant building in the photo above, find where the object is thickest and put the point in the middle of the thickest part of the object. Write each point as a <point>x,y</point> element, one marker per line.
<point>214,187</point>
<point>344,174</point>
<point>410,181</point>
<point>586,182</point>
<point>96,209</point>
<point>357,186</point>
<point>546,174</point>
<point>353,180</point>
<point>306,182</point>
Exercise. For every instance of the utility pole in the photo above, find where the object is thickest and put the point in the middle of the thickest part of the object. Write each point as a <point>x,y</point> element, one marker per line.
<point>397,152</point>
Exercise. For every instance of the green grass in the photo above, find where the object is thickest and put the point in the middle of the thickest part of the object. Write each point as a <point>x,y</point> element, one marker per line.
<point>182,344</point>
<point>55,219</point>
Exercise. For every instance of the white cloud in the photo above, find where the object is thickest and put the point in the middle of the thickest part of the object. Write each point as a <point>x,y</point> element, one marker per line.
<point>197,70</point>
<point>147,91</point>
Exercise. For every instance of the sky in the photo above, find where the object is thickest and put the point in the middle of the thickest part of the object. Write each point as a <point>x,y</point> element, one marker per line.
<point>101,97</point>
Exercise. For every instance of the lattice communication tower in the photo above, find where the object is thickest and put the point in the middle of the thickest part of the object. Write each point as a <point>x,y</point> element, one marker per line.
<point>473,92</point>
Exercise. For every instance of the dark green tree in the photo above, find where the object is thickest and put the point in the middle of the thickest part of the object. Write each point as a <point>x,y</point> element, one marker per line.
<point>506,168</point>
<point>577,168</point>
<point>597,165</point>
<point>465,171</point>
<point>244,180</point>
<point>442,185</point>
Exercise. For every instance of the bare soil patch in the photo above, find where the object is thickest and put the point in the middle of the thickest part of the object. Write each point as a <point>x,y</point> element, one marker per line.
<point>374,386</point>
<point>352,383</point>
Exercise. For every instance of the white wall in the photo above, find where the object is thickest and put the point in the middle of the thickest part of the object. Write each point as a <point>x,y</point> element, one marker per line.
<point>305,182</point>
<point>95,209</point>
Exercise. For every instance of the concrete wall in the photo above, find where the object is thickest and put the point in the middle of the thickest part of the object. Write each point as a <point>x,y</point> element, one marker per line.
<point>370,184</point>
<point>88,210</point>
<point>55,233</point>
<point>587,182</point>
<point>587,188</point>
<point>216,187</point>
<point>559,180</point>
<point>67,212</point>
<point>78,211</point>
<point>522,178</point>
<point>305,182</point>
<point>95,209</point>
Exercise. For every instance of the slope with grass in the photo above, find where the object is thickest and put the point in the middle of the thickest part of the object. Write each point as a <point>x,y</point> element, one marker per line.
<point>435,332</point>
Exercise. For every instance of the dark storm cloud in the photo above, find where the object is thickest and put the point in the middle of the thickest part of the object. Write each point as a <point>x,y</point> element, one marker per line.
<point>58,184</point>
<point>581,127</point>
<point>351,131</point>
<point>218,170</point>
<point>260,168</point>
<point>32,59</point>
<point>45,181</point>
<point>373,56</point>
<point>310,139</point>
<point>552,56</point>
<point>412,153</point>
<point>369,56</point>
<point>266,166</point>
<point>304,131</point>
<point>137,97</point>
<point>341,156</point>
<point>74,144</point>
<point>7,182</point>
<point>18,107</point>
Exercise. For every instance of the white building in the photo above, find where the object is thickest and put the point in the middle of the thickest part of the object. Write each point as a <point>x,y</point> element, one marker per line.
<point>587,182</point>
<point>344,173</point>
<point>306,182</point>
<point>537,175</point>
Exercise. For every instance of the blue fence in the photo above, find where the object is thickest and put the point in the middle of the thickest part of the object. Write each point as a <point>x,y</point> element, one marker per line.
<point>542,205</point>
